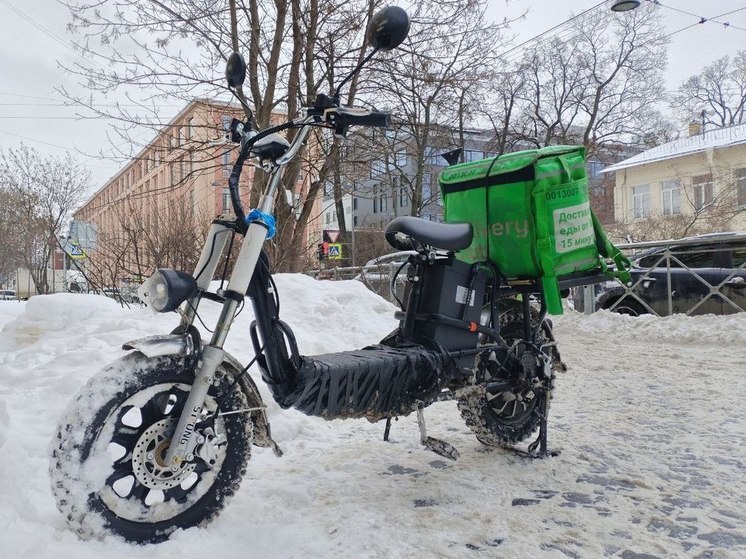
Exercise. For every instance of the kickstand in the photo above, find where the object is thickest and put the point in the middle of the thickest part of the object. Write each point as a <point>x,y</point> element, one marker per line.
<point>541,440</point>
<point>439,447</point>
<point>387,430</point>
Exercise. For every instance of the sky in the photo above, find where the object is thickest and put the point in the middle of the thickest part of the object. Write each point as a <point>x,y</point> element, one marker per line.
<point>33,39</point>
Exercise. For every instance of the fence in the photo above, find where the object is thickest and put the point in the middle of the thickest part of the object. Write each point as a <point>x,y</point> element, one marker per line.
<point>376,275</point>
<point>690,276</point>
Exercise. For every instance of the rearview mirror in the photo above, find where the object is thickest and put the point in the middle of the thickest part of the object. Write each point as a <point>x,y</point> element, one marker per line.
<point>235,70</point>
<point>388,28</point>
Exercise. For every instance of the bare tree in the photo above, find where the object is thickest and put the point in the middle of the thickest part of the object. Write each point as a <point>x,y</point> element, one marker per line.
<point>716,95</point>
<point>449,44</point>
<point>147,236</point>
<point>46,190</point>
<point>153,52</point>
<point>597,85</point>
<point>12,235</point>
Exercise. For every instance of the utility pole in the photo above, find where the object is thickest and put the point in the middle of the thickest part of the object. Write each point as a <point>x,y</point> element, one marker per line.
<point>352,223</point>
<point>64,267</point>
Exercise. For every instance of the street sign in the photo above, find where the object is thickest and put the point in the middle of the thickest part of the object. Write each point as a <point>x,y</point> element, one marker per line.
<point>335,251</point>
<point>75,251</point>
<point>331,235</point>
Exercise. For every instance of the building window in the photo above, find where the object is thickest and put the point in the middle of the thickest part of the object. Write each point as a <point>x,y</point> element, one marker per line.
<point>473,155</point>
<point>741,186</point>
<point>641,201</point>
<point>328,190</point>
<point>226,161</point>
<point>401,158</point>
<point>377,169</point>
<point>402,197</point>
<point>432,157</point>
<point>354,203</point>
<point>354,221</point>
<point>384,204</point>
<point>671,197</point>
<point>703,192</point>
<point>427,189</point>
<point>226,199</point>
<point>594,169</point>
<point>189,130</point>
<point>328,217</point>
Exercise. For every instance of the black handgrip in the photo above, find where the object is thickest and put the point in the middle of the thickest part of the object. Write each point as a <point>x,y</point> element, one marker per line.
<point>375,118</point>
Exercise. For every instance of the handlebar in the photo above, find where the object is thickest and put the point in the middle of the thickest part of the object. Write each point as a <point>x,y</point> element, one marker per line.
<point>375,119</point>
<point>338,118</point>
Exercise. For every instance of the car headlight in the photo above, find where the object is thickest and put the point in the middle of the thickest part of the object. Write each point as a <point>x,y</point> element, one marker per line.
<point>166,289</point>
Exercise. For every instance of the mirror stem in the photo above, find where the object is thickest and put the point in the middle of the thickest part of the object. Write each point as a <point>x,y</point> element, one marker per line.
<point>355,71</point>
<point>245,105</point>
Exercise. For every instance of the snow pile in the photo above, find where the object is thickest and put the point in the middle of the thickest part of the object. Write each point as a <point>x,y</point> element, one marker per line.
<point>706,329</point>
<point>648,422</point>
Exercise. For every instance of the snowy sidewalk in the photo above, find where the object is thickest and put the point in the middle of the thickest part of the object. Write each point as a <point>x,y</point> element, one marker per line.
<point>649,422</point>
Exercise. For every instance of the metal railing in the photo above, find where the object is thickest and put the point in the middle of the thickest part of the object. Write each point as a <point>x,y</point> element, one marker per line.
<point>663,268</point>
<point>710,284</point>
<point>376,277</point>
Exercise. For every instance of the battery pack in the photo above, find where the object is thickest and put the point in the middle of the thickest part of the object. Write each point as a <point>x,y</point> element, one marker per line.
<point>454,290</point>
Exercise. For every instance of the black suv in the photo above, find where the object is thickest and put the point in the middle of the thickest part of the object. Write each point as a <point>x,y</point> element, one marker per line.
<point>704,275</point>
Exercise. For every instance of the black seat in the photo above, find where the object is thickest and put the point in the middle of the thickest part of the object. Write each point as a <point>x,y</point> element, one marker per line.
<point>449,236</point>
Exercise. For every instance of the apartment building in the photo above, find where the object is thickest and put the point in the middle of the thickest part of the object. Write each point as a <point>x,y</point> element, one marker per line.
<point>701,178</point>
<point>172,189</point>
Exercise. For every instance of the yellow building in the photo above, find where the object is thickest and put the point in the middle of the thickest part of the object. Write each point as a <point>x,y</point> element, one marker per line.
<point>699,181</point>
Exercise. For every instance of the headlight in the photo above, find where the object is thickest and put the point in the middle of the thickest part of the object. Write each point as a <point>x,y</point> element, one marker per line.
<point>166,289</point>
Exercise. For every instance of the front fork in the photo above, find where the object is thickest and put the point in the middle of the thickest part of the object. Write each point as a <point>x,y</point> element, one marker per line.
<point>213,354</point>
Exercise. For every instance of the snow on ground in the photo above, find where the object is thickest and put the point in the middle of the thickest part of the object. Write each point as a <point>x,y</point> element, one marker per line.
<point>648,420</point>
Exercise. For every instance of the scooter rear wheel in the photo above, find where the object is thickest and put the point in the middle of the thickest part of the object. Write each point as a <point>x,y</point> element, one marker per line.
<point>505,418</point>
<point>107,469</point>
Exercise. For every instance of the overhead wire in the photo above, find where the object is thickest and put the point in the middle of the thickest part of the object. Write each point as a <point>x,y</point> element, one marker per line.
<point>564,32</point>
<point>703,19</point>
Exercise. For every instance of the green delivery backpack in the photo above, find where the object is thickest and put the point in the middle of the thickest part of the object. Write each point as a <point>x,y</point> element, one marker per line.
<point>531,216</point>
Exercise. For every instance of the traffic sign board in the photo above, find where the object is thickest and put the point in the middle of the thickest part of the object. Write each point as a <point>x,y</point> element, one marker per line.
<point>335,251</point>
<point>75,251</point>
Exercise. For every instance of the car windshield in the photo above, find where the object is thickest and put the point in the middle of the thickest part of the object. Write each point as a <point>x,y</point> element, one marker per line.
<point>686,256</point>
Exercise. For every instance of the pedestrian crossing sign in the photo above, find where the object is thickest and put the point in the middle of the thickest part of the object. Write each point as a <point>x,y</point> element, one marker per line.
<point>335,251</point>
<point>75,251</point>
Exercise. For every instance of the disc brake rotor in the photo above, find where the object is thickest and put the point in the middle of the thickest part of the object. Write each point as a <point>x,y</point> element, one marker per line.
<point>149,457</point>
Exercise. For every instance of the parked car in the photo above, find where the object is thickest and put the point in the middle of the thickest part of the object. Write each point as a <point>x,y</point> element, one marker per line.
<point>122,294</point>
<point>7,295</point>
<point>707,276</point>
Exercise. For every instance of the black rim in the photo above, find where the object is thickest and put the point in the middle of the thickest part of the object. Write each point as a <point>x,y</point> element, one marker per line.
<point>517,404</point>
<point>509,409</point>
<point>139,438</point>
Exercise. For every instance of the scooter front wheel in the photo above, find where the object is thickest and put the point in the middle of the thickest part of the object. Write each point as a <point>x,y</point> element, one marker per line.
<point>107,470</point>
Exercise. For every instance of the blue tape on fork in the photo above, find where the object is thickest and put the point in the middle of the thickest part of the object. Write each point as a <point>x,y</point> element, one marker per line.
<point>257,216</point>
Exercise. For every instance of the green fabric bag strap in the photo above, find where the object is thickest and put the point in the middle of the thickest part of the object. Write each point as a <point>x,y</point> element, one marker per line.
<point>608,250</point>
